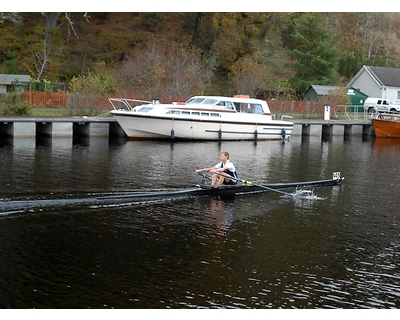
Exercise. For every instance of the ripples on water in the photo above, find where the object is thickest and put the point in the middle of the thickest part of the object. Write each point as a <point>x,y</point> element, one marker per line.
<point>250,251</point>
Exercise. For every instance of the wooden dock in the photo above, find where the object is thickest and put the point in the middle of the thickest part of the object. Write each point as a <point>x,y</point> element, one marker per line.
<point>86,127</point>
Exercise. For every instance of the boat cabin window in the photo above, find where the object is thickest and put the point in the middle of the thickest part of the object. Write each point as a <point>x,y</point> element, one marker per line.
<point>255,108</point>
<point>248,108</point>
<point>215,114</point>
<point>237,106</point>
<point>227,104</point>
<point>145,109</point>
<point>204,114</point>
<point>195,113</point>
<point>186,112</point>
<point>173,112</point>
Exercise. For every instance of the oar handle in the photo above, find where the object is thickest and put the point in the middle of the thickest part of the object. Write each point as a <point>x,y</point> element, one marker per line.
<point>204,176</point>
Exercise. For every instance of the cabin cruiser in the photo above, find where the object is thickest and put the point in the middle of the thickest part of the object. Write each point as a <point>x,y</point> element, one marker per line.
<point>200,118</point>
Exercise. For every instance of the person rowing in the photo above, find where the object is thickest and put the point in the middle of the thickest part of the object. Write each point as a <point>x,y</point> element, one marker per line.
<point>225,167</point>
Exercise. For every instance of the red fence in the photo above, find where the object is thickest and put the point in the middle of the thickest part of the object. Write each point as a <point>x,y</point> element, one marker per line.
<point>65,100</point>
<point>45,99</point>
<point>293,107</point>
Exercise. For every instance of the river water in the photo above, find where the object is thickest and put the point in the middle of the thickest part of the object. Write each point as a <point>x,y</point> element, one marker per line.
<point>247,251</point>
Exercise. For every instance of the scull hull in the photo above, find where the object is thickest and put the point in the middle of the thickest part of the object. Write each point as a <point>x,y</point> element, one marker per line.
<point>18,206</point>
<point>207,190</point>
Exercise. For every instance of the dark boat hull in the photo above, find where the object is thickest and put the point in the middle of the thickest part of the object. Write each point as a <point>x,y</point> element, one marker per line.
<point>19,206</point>
<point>207,190</point>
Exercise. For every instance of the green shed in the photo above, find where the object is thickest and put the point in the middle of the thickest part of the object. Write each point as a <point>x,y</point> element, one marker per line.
<point>316,92</point>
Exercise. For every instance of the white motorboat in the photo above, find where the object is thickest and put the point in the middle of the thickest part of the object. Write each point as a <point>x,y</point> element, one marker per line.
<point>200,118</point>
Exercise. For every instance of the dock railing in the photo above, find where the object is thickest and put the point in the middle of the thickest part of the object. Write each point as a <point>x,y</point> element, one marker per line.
<point>350,112</point>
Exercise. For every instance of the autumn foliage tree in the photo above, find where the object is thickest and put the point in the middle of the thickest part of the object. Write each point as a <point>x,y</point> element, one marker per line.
<point>158,69</point>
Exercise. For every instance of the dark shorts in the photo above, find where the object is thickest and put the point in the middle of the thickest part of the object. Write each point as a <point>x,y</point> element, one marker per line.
<point>231,182</point>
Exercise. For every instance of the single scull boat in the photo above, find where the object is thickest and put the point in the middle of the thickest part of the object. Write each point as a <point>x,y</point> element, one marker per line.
<point>8,206</point>
<point>208,190</point>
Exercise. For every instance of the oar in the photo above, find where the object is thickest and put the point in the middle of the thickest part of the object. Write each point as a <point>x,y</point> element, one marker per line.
<point>296,194</point>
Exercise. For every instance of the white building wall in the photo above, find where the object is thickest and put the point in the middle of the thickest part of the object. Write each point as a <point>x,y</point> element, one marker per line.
<point>367,85</point>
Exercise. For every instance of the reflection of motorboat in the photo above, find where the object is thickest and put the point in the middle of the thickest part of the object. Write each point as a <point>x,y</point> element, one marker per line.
<point>387,125</point>
<point>200,118</point>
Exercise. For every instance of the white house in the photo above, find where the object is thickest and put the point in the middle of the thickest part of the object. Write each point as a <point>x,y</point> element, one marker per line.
<point>7,81</point>
<point>378,82</point>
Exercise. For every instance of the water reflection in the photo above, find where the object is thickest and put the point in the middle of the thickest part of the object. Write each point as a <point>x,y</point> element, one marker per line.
<point>386,143</point>
<point>43,141</point>
<point>222,212</point>
<point>6,141</point>
<point>83,141</point>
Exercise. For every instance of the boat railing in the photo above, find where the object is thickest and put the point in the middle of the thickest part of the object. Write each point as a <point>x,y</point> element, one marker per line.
<point>128,104</point>
<point>286,117</point>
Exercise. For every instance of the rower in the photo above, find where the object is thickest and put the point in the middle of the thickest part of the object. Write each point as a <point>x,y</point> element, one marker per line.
<point>226,167</point>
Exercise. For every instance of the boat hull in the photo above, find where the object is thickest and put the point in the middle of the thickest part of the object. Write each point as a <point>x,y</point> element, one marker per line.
<point>207,190</point>
<point>386,128</point>
<point>17,206</point>
<point>144,127</point>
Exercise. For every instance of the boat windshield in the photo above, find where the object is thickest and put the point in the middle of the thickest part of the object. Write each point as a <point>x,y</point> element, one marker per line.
<point>195,100</point>
<point>240,107</point>
<point>145,109</point>
<point>202,101</point>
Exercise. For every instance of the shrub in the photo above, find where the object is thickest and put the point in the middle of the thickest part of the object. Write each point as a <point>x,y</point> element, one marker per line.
<point>15,109</point>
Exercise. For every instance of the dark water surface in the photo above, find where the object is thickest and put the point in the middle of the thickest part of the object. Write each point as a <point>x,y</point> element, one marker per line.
<point>248,251</point>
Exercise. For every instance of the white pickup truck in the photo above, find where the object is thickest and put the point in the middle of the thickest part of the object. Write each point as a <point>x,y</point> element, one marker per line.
<point>381,105</point>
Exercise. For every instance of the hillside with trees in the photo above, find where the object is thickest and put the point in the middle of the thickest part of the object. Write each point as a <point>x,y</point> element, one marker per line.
<point>182,54</point>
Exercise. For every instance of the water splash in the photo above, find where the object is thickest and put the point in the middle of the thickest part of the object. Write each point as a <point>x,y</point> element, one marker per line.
<point>304,194</point>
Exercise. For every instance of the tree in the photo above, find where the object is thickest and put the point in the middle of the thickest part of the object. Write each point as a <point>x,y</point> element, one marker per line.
<point>314,54</point>
<point>35,41</point>
<point>162,68</point>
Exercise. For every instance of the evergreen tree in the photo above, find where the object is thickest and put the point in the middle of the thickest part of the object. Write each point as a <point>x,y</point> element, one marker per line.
<point>314,53</point>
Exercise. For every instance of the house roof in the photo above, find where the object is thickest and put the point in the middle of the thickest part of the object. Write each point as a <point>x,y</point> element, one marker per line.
<point>8,79</point>
<point>384,77</point>
<point>388,77</point>
<point>325,90</point>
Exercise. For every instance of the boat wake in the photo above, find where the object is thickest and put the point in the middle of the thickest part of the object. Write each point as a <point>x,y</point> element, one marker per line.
<point>15,206</point>
<point>304,194</point>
